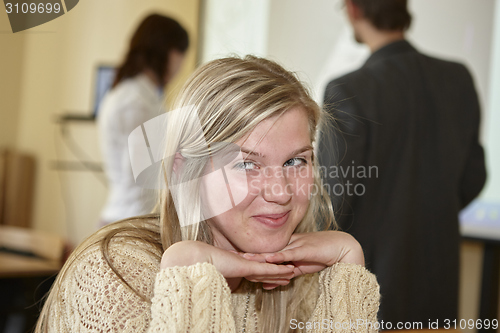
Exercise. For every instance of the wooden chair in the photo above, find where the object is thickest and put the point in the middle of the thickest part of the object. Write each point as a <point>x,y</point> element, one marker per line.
<point>17,175</point>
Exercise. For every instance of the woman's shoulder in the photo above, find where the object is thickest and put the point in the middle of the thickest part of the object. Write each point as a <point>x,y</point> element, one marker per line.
<point>124,253</point>
<point>125,95</point>
<point>108,281</point>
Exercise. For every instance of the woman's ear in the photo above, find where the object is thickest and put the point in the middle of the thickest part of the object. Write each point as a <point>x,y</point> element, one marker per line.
<point>178,163</point>
<point>353,11</point>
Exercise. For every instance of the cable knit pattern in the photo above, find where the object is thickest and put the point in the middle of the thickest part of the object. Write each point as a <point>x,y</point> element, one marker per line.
<point>191,299</point>
<point>349,294</point>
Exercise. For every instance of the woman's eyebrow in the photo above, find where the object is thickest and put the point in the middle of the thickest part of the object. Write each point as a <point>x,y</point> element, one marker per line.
<point>295,152</point>
<point>301,150</point>
<point>251,152</point>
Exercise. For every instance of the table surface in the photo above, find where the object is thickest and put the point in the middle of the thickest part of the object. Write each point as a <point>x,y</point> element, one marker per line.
<point>15,265</point>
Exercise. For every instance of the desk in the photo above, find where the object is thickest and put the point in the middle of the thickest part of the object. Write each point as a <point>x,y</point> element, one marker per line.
<point>490,278</point>
<point>480,222</point>
<point>24,281</point>
<point>15,265</point>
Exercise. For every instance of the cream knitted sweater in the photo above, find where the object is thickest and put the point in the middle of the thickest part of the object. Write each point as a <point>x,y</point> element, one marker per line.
<point>194,299</point>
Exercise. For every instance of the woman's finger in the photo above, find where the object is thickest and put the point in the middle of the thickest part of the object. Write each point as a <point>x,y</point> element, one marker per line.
<point>267,277</point>
<point>294,238</point>
<point>254,257</point>
<point>254,268</point>
<point>273,282</point>
<point>250,256</point>
<point>308,268</point>
<point>292,254</point>
<point>269,286</point>
<point>262,280</point>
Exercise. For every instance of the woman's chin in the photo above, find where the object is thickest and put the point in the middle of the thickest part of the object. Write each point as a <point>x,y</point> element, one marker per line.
<point>267,247</point>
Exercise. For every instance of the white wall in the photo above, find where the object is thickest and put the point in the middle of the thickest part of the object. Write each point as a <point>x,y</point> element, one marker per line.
<point>302,35</point>
<point>234,27</point>
<point>458,30</point>
<point>492,119</point>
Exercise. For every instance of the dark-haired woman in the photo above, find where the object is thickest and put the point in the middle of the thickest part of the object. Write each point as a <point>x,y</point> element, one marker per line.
<point>155,55</point>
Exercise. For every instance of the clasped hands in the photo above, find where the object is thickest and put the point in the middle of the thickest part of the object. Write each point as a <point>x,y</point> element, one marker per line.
<point>305,253</point>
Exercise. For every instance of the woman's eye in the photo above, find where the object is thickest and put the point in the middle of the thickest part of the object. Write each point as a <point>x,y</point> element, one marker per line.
<point>296,161</point>
<point>245,166</point>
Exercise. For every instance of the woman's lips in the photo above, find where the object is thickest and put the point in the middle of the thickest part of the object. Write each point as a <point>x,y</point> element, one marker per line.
<point>272,220</point>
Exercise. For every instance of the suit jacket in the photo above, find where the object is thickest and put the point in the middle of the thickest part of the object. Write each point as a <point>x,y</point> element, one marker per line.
<point>403,161</point>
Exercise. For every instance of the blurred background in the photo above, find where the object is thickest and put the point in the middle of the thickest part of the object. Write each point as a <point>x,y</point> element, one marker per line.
<point>50,74</point>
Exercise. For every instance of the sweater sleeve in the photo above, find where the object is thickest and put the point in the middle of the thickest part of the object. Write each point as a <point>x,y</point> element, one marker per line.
<point>348,300</point>
<point>192,299</point>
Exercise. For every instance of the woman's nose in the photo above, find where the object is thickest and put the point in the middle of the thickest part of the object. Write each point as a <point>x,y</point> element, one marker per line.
<point>275,186</point>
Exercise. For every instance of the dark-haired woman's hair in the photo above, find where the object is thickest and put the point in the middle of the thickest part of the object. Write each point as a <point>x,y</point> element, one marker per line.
<point>150,46</point>
<point>386,14</point>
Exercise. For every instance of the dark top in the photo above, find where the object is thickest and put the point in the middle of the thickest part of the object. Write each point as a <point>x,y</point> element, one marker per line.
<point>408,126</point>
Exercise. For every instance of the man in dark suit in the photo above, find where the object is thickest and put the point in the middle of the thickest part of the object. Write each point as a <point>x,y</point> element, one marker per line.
<point>408,153</point>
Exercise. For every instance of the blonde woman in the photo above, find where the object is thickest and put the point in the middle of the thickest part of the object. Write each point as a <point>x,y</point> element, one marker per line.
<point>259,266</point>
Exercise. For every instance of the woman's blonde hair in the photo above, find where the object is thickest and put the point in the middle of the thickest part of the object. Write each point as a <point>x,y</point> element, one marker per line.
<point>231,96</point>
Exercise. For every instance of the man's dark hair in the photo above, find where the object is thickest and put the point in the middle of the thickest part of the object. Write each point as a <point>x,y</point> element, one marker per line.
<point>150,46</point>
<point>386,14</point>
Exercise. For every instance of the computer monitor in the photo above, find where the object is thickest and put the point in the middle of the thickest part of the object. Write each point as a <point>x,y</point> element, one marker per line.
<point>104,80</point>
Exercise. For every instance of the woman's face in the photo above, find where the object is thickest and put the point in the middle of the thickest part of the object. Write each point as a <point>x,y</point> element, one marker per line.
<point>274,170</point>
<point>175,61</point>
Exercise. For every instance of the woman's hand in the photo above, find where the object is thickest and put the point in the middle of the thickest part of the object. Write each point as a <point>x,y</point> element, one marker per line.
<point>231,265</point>
<point>312,252</point>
